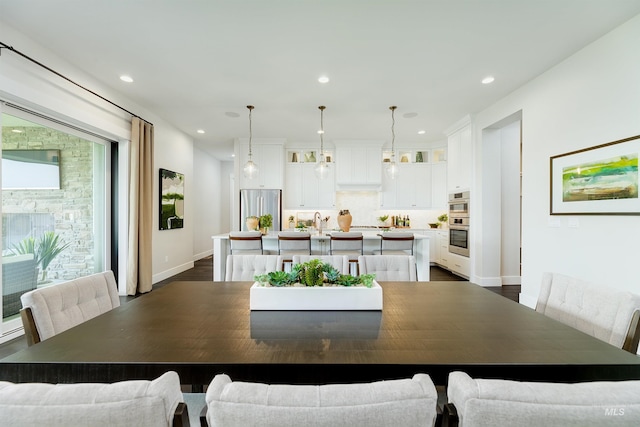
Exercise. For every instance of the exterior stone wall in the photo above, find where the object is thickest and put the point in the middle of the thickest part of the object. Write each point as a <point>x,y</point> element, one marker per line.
<point>71,206</point>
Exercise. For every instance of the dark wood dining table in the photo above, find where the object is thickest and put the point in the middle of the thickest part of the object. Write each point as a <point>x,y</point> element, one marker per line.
<point>200,329</point>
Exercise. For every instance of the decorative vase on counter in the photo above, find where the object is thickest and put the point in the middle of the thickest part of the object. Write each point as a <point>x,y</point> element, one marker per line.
<point>344,220</point>
<point>252,223</point>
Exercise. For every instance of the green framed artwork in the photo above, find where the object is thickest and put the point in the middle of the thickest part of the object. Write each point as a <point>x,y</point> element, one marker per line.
<point>171,200</point>
<point>600,180</point>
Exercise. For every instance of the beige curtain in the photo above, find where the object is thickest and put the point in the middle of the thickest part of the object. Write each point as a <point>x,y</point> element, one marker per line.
<point>141,175</point>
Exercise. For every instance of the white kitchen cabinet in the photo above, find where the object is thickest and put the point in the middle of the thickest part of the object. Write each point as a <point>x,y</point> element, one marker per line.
<point>443,248</point>
<point>358,165</point>
<point>303,189</point>
<point>421,182</point>
<point>439,192</point>
<point>413,186</point>
<point>459,264</point>
<point>460,155</point>
<point>268,155</point>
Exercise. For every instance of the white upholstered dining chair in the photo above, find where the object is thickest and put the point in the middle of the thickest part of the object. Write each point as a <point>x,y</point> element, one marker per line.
<point>400,268</point>
<point>245,267</point>
<point>127,403</point>
<point>605,313</point>
<point>490,403</point>
<point>404,402</point>
<point>54,309</point>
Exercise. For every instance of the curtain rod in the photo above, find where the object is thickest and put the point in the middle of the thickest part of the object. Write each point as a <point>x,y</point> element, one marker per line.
<point>6,46</point>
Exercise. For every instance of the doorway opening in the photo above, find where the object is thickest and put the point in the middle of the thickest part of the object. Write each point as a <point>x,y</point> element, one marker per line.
<point>502,201</point>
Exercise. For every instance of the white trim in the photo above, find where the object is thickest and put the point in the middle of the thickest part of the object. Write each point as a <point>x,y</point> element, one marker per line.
<point>11,334</point>
<point>488,281</point>
<point>511,280</point>
<point>201,255</point>
<point>172,272</point>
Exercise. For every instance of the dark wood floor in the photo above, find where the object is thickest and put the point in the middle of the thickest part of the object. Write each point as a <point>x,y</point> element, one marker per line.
<point>203,270</point>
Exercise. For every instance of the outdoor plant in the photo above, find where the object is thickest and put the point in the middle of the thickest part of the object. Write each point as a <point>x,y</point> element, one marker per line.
<point>313,273</point>
<point>44,249</point>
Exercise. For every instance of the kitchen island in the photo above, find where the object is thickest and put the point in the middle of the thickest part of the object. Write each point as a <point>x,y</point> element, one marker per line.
<point>320,246</point>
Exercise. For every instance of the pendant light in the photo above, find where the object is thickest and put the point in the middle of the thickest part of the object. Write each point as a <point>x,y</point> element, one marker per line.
<point>322,168</point>
<point>392,168</point>
<point>250,169</point>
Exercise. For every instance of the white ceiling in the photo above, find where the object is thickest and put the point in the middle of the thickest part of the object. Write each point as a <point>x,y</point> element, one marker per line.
<point>197,62</point>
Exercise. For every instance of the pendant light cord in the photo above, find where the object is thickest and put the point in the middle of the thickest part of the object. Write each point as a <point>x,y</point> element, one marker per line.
<point>393,134</point>
<point>250,107</point>
<point>322,107</point>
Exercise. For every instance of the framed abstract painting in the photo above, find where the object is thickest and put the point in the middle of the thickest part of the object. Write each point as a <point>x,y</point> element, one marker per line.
<point>600,180</point>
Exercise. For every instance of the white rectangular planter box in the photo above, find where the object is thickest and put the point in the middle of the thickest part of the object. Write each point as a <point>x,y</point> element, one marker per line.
<point>315,297</point>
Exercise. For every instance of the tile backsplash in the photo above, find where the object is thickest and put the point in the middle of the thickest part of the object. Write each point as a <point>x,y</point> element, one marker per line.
<point>365,210</point>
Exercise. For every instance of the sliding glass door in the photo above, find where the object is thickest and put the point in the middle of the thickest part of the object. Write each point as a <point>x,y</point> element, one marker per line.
<point>55,199</point>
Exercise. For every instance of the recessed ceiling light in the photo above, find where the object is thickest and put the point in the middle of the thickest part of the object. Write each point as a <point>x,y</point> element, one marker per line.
<point>200,131</point>
<point>422,132</point>
<point>126,78</point>
<point>323,79</point>
<point>320,131</point>
<point>232,114</point>
<point>233,155</point>
<point>409,115</point>
<point>487,80</point>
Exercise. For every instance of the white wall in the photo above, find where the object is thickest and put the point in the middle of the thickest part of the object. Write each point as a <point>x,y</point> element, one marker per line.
<point>173,249</point>
<point>591,98</point>
<point>208,190</point>
<point>28,85</point>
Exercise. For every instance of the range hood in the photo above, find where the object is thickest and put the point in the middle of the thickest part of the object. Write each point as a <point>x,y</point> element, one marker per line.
<point>359,187</point>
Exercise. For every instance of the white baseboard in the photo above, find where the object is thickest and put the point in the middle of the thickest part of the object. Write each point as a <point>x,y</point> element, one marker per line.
<point>488,281</point>
<point>172,272</point>
<point>511,280</point>
<point>201,255</point>
<point>496,281</point>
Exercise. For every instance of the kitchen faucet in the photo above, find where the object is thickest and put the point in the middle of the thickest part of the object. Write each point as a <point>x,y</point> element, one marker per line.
<point>317,220</point>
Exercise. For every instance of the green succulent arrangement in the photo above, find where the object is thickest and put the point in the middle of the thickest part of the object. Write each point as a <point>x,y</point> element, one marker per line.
<point>313,273</point>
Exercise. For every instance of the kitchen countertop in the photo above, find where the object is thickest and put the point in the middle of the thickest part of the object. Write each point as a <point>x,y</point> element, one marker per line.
<point>367,233</point>
<point>320,246</point>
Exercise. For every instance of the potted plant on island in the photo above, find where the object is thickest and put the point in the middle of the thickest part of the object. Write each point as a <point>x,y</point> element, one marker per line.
<point>383,220</point>
<point>266,222</point>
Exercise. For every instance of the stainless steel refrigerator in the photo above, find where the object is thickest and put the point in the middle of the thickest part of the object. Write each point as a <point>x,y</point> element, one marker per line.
<point>261,202</point>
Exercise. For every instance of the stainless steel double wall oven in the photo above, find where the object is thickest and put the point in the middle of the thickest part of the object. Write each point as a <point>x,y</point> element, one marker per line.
<point>459,223</point>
